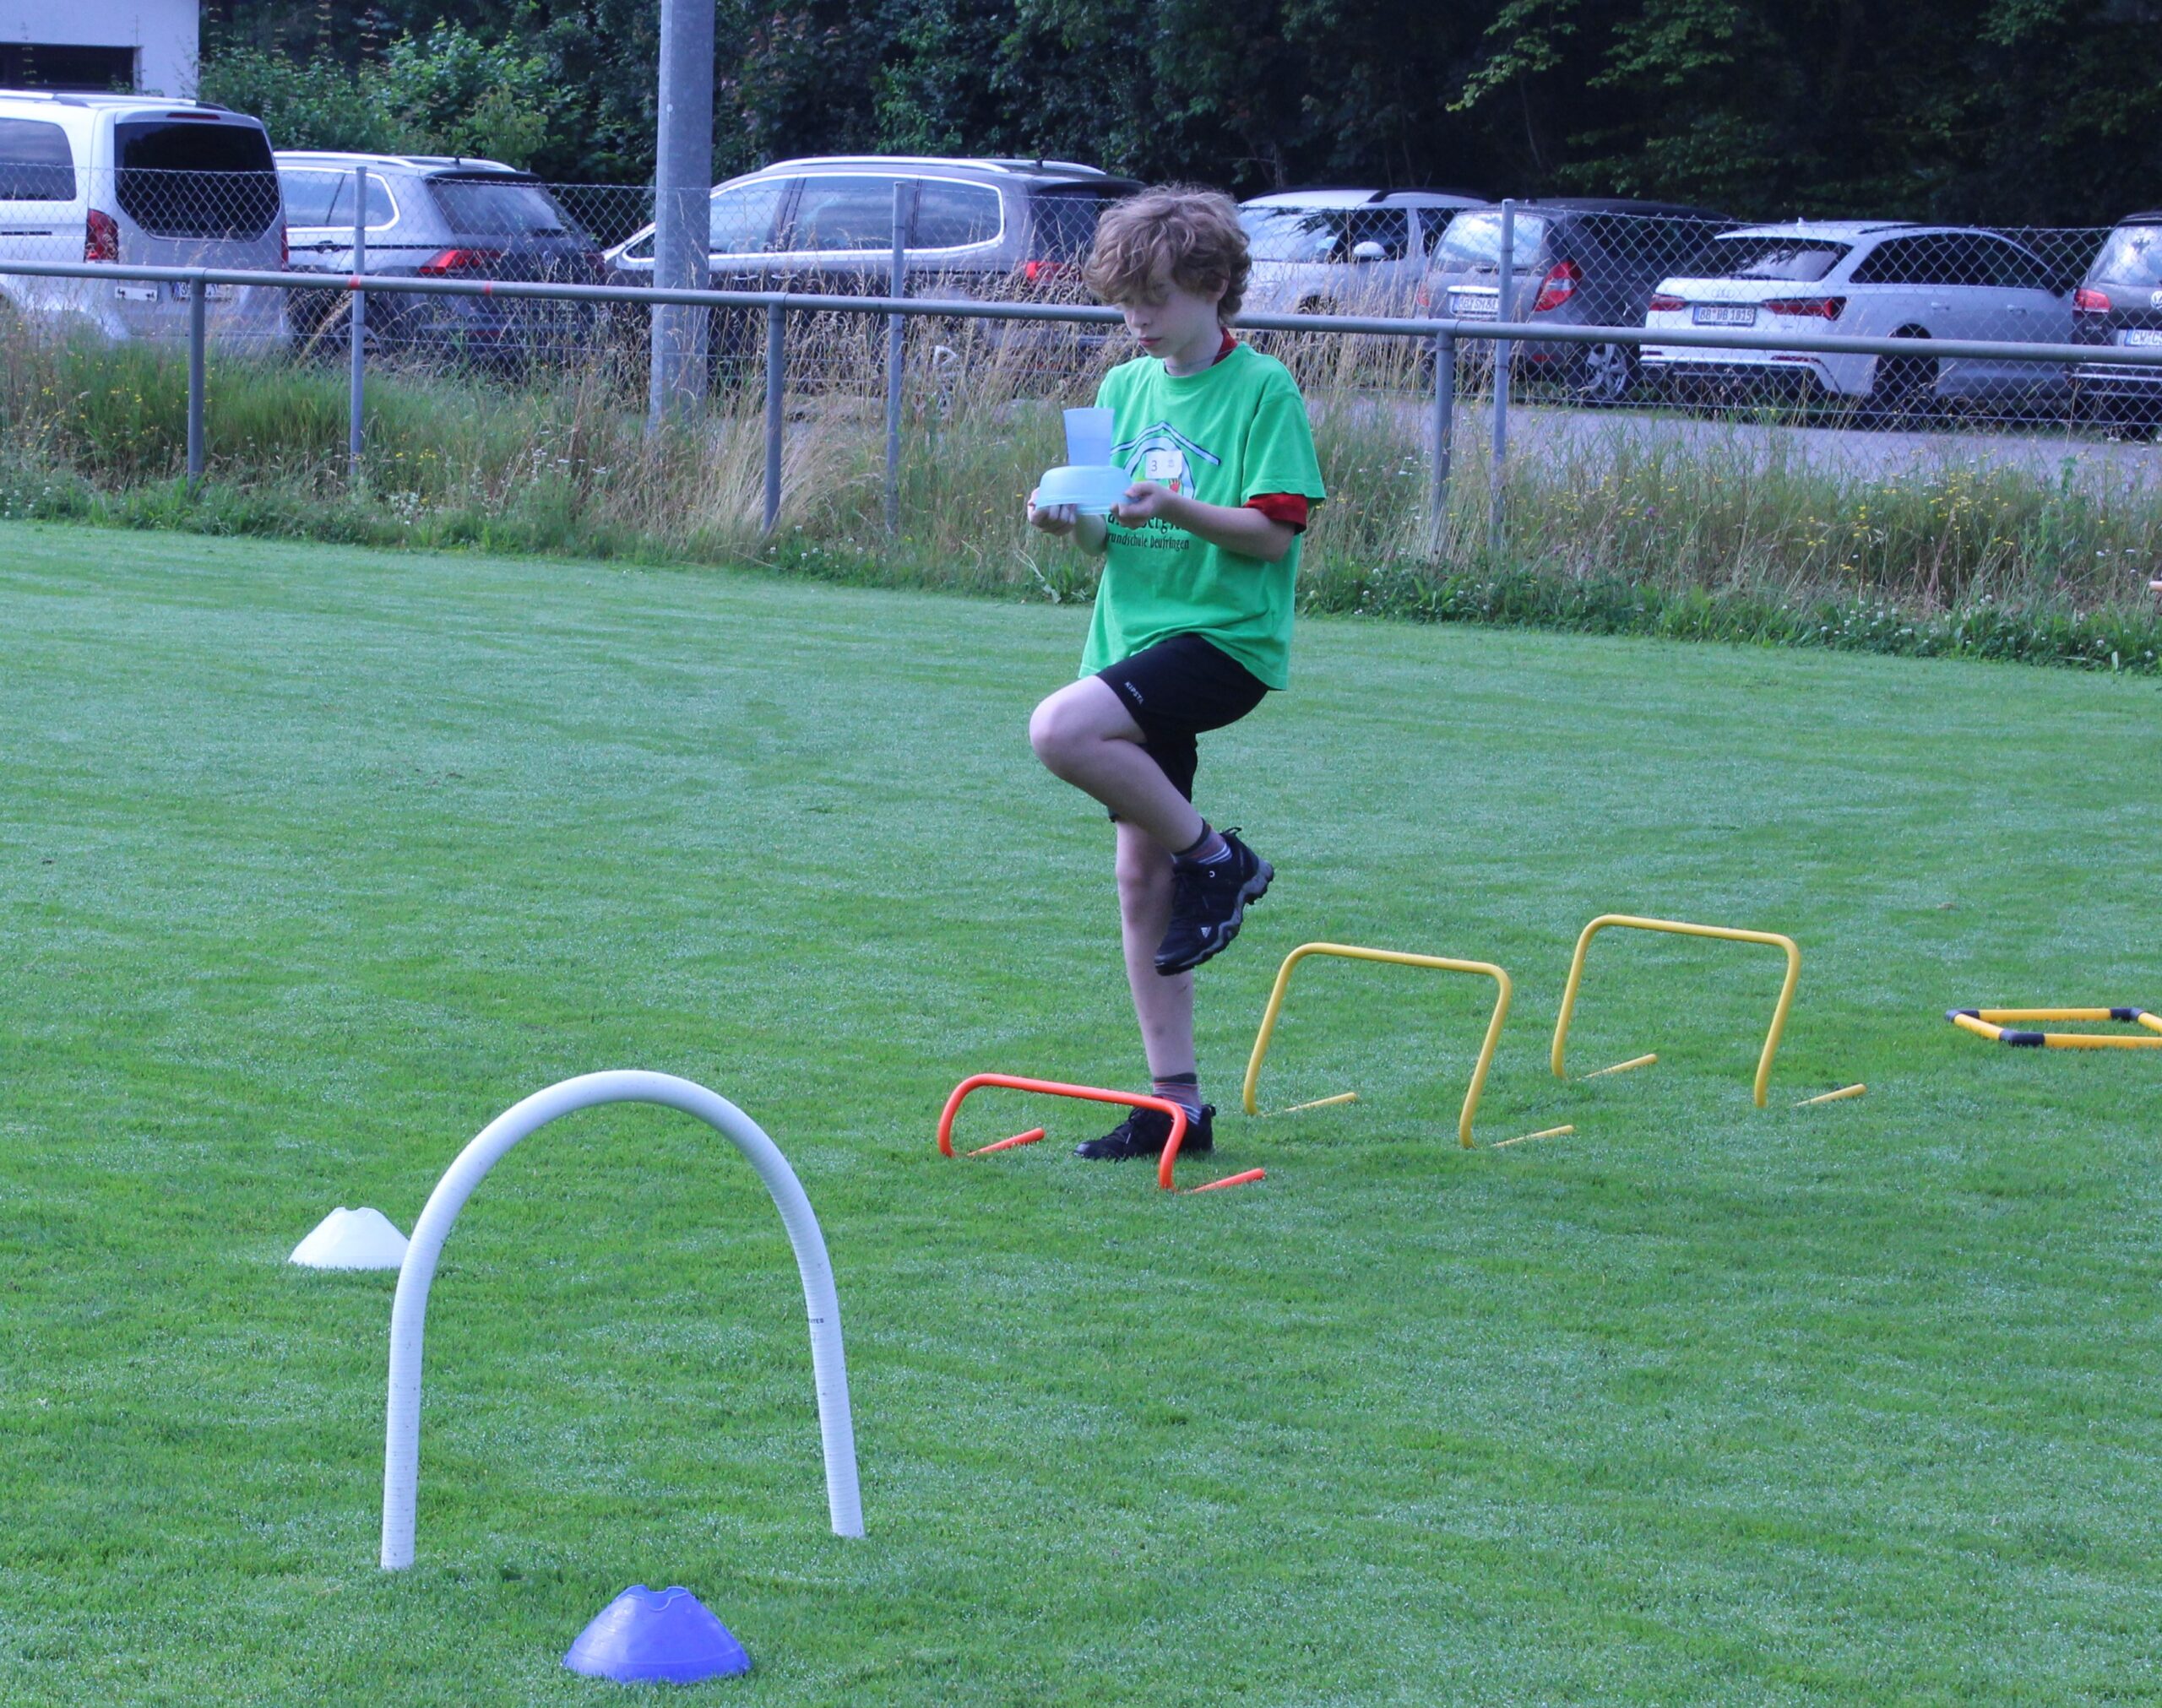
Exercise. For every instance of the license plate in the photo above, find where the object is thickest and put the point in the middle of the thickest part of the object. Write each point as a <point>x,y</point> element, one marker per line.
<point>211,293</point>
<point>1725,314</point>
<point>1465,304</point>
<point>2143,337</point>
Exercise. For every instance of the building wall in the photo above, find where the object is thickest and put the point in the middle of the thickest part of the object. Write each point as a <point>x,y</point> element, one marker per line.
<point>164,34</point>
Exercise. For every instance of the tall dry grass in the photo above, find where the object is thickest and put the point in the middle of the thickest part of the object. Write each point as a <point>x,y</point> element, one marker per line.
<point>561,462</point>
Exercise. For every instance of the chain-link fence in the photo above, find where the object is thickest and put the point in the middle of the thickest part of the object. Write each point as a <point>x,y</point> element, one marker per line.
<point>808,231</point>
<point>1709,317</point>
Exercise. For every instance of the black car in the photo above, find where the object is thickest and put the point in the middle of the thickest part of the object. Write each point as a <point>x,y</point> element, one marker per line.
<point>2120,302</point>
<point>1576,261</point>
<point>434,216</point>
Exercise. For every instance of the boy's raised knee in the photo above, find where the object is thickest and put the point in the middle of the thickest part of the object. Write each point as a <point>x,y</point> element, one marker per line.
<point>1046,733</point>
<point>1060,732</point>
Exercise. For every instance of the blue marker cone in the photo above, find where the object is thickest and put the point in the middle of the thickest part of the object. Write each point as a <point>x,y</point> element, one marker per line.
<point>657,1634</point>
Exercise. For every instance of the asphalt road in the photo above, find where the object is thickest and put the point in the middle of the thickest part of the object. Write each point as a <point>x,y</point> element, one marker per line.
<point>1536,429</point>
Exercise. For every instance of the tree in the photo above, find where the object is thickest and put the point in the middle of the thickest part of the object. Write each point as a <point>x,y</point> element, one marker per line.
<point>446,93</point>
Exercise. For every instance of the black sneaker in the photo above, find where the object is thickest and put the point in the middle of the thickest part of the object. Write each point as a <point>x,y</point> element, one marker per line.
<point>1209,904</point>
<point>1145,1132</point>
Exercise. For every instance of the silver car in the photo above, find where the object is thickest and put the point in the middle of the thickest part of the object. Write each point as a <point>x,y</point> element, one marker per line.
<point>989,228</point>
<point>1344,252</point>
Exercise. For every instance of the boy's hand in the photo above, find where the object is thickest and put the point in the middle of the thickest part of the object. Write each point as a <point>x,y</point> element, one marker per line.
<point>1059,519</point>
<point>1144,502</point>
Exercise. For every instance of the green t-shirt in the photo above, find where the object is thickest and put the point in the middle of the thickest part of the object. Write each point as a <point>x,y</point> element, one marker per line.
<point>1231,432</point>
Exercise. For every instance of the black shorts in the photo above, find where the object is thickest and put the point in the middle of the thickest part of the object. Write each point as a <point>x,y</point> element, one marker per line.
<point>1175,691</point>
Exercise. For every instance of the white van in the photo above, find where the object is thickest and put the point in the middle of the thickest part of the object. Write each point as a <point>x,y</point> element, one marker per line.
<point>131,178</point>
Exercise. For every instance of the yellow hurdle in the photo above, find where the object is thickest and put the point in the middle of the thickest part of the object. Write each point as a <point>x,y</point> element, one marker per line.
<point>1728,934</point>
<point>1999,1025</point>
<point>1526,1138</point>
<point>1319,1103</point>
<point>1484,969</point>
<point>1651,1059</point>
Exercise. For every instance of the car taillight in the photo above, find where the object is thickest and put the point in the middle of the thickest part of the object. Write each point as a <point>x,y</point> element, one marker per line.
<point>101,236</point>
<point>1663,304</point>
<point>445,262</point>
<point>1558,286</point>
<point>1044,272</point>
<point>1809,307</point>
<point>2088,300</point>
<point>1425,294</point>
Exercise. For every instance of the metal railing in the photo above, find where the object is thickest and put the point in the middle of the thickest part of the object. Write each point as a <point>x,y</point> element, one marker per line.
<point>1443,335</point>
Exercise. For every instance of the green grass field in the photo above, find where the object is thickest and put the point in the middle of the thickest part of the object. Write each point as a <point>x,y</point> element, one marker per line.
<point>317,859</point>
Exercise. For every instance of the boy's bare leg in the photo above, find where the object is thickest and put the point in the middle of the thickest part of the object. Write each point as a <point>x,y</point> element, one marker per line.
<point>1085,735</point>
<point>1163,1006</point>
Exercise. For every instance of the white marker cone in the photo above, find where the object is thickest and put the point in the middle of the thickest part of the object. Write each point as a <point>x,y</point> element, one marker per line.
<point>347,1238</point>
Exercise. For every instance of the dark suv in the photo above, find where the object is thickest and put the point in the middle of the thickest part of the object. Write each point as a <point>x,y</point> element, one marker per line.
<point>432,216</point>
<point>986,228</point>
<point>2120,302</point>
<point>1577,261</point>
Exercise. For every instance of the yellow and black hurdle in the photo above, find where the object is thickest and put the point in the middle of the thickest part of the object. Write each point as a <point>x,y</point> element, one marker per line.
<point>2001,1026</point>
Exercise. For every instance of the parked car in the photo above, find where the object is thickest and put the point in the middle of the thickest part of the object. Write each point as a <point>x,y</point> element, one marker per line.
<point>986,228</point>
<point>1873,279</point>
<point>434,216</point>
<point>1344,252</point>
<point>129,178</point>
<point>2120,302</point>
<point>1574,262</point>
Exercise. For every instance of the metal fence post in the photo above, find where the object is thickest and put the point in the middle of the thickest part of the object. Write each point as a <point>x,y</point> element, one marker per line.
<point>357,321</point>
<point>776,359</point>
<point>682,184</point>
<point>1437,493</point>
<point>196,291</point>
<point>904,194</point>
<point>1504,307</point>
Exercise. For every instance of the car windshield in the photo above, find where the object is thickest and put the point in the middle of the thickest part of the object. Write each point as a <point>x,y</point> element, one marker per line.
<point>1324,234</point>
<point>2133,254</point>
<point>1799,260</point>
<point>499,207</point>
<point>1473,240</point>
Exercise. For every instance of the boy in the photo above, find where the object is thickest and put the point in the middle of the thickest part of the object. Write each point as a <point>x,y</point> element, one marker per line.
<point>1192,622</point>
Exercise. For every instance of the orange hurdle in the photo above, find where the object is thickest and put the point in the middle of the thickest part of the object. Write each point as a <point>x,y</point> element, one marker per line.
<point>1014,1143</point>
<point>1086,1094</point>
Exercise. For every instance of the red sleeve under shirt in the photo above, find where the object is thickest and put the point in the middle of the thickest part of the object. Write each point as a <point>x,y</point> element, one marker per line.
<point>1290,508</point>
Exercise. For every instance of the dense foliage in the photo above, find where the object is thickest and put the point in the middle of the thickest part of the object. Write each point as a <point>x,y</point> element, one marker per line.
<point>2042,111</point>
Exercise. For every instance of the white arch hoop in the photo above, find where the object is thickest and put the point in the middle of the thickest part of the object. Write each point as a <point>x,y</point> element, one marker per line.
<point>401,1457</point>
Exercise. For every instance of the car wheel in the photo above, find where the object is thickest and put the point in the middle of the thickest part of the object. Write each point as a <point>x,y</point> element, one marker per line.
<point>1903,394</point>
<point>1605,374</point>
<point>329,338</point>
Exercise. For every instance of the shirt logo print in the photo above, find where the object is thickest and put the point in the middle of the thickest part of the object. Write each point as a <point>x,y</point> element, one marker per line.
<point>1164,455</point>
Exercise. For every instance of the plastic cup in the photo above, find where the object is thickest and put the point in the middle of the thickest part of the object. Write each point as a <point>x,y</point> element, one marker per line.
<point>1088,438</point>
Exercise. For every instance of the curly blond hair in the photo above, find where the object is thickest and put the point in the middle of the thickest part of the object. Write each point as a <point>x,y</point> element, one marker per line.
<point>1181,232</point>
